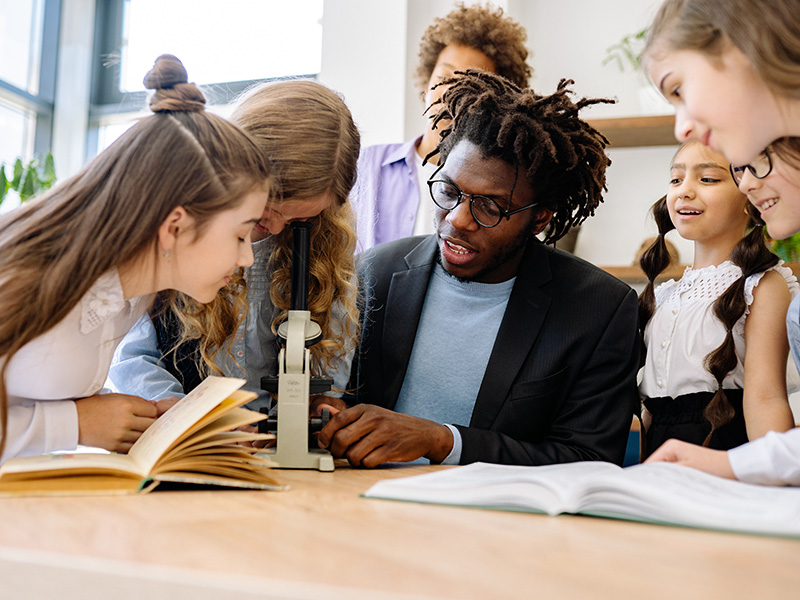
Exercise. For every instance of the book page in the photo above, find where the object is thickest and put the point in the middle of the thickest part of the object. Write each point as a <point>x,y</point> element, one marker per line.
<point>670,493</point>
<point>170,426</point>
<point>225,417</point>
<point>551,489</point>
<point>28,467</point>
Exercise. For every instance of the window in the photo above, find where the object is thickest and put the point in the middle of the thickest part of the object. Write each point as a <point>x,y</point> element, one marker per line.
<point>234,40</point>
<point>28,45</point>
<point>226,46</point>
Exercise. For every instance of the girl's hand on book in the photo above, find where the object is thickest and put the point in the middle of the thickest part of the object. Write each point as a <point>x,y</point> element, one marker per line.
<point>707,460</point>
<point>113,421</point>
<point>165,404</point>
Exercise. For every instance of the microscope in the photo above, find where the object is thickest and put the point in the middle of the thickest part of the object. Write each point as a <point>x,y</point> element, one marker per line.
<point>294,384</point>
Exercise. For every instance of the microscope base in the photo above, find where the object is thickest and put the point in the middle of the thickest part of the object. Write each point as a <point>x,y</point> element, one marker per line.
<point>311,459</point>
<point>292,445</point>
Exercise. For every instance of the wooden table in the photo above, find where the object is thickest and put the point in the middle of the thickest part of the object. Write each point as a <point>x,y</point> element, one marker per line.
<point>321,540</point>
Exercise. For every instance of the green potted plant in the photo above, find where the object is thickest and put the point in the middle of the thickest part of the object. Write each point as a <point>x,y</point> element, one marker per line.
<point>627,55</point>
<point>628,51</point>
<point>28,180</point>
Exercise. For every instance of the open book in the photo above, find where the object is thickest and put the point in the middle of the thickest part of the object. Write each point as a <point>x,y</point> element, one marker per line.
<point>662,493</point>
<point>192,443</point>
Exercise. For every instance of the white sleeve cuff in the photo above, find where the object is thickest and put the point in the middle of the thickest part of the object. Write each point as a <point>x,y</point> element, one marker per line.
<point>454,458</point>
<point>41,427</point>
<point>61,419</point>
<point>772,460</point>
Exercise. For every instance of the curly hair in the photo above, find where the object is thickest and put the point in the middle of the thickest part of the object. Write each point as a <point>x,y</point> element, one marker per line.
<point>309,135</point>
<point>563,156</point>
<point>752,256</point>
<point>331,281</point>
<point>483,28</point>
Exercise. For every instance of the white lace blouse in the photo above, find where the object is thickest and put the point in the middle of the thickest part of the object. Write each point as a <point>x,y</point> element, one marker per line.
<point>68,362</point>
<point>684,329</point>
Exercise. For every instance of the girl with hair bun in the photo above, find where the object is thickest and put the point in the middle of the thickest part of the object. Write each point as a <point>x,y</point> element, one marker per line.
<point>308,134</point>
<point>170,205</point>
<point>699,384</point>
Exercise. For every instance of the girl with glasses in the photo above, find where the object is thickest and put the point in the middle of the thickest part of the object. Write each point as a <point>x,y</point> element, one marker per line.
<point>772,184</point>
<point>696,329</point>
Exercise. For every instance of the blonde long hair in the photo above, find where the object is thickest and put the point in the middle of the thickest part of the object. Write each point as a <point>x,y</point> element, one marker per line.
<point>309,135</point>
<point>767,33</point>
<point>53,249</point>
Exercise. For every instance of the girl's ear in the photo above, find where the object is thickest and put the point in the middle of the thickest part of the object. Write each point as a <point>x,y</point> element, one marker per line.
<point>541,220</point>
<point>176,223</point>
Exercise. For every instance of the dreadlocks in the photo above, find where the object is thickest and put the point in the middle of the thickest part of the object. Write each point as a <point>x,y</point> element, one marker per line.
<point>562,156</point>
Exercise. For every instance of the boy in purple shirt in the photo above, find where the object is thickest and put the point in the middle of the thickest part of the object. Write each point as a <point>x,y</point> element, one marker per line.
<point>390,198</point>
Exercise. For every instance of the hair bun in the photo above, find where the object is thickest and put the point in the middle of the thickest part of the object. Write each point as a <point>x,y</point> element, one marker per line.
<point>167,72</point>
<point>169,79</point>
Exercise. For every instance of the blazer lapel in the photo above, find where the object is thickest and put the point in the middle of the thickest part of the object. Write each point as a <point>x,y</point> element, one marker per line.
<point>403,309</point>
<point>525,314</point>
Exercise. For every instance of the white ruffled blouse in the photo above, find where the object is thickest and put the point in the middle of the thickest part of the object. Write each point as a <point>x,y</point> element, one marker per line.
<point>684,329</point>
<point>68,362</point>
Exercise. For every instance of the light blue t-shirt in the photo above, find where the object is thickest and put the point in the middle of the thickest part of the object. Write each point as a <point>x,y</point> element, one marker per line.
<point>793,329</point>
<point>455,337</point>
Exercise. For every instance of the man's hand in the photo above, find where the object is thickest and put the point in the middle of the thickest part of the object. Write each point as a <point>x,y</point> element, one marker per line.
<point>710,461</point>
<point>113,421</point>
<point>368,435</point>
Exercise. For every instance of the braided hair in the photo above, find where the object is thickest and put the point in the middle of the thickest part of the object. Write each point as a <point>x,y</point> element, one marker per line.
<point>752,256</point>
<point>562,156</point>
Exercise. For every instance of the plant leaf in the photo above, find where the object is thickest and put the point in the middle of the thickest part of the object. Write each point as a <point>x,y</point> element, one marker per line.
<point>19,169</point>
<point>29,185</point>
<point>3,183</point>
<point>48,175</point>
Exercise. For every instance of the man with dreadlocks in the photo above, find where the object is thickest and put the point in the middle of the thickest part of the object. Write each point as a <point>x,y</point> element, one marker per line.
<point>482,343</point>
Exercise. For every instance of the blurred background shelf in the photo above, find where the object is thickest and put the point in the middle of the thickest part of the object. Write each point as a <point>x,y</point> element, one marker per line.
<point>633,275</point>
<point>629,132</point>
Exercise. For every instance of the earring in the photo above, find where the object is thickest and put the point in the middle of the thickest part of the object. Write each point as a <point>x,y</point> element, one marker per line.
<point>166,253</point>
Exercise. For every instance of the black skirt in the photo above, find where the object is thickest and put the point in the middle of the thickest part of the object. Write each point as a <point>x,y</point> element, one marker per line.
<point>682,418</point>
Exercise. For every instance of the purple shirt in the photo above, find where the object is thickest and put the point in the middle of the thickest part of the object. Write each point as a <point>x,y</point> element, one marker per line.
<point>386,195</point>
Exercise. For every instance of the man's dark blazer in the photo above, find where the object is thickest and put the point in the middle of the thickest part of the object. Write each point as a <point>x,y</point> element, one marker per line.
<point>560,385</point>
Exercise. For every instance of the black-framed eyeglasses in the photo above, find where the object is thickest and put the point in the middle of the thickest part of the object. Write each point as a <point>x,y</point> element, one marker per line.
<point>486,212</point>
<point>759,168</point>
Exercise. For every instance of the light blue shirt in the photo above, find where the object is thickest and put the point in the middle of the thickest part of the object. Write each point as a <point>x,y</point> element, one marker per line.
<point>793,329</point>
<point>455,337</point>
<point>138,367</point>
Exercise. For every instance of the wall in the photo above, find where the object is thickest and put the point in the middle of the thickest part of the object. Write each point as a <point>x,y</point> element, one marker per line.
<point>374,70</point>
<point>364,58</point>
<point>569,39</point>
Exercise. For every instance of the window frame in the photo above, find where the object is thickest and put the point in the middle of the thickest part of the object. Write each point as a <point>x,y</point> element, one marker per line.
<point>108,102</point>
<point>41,104</point>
